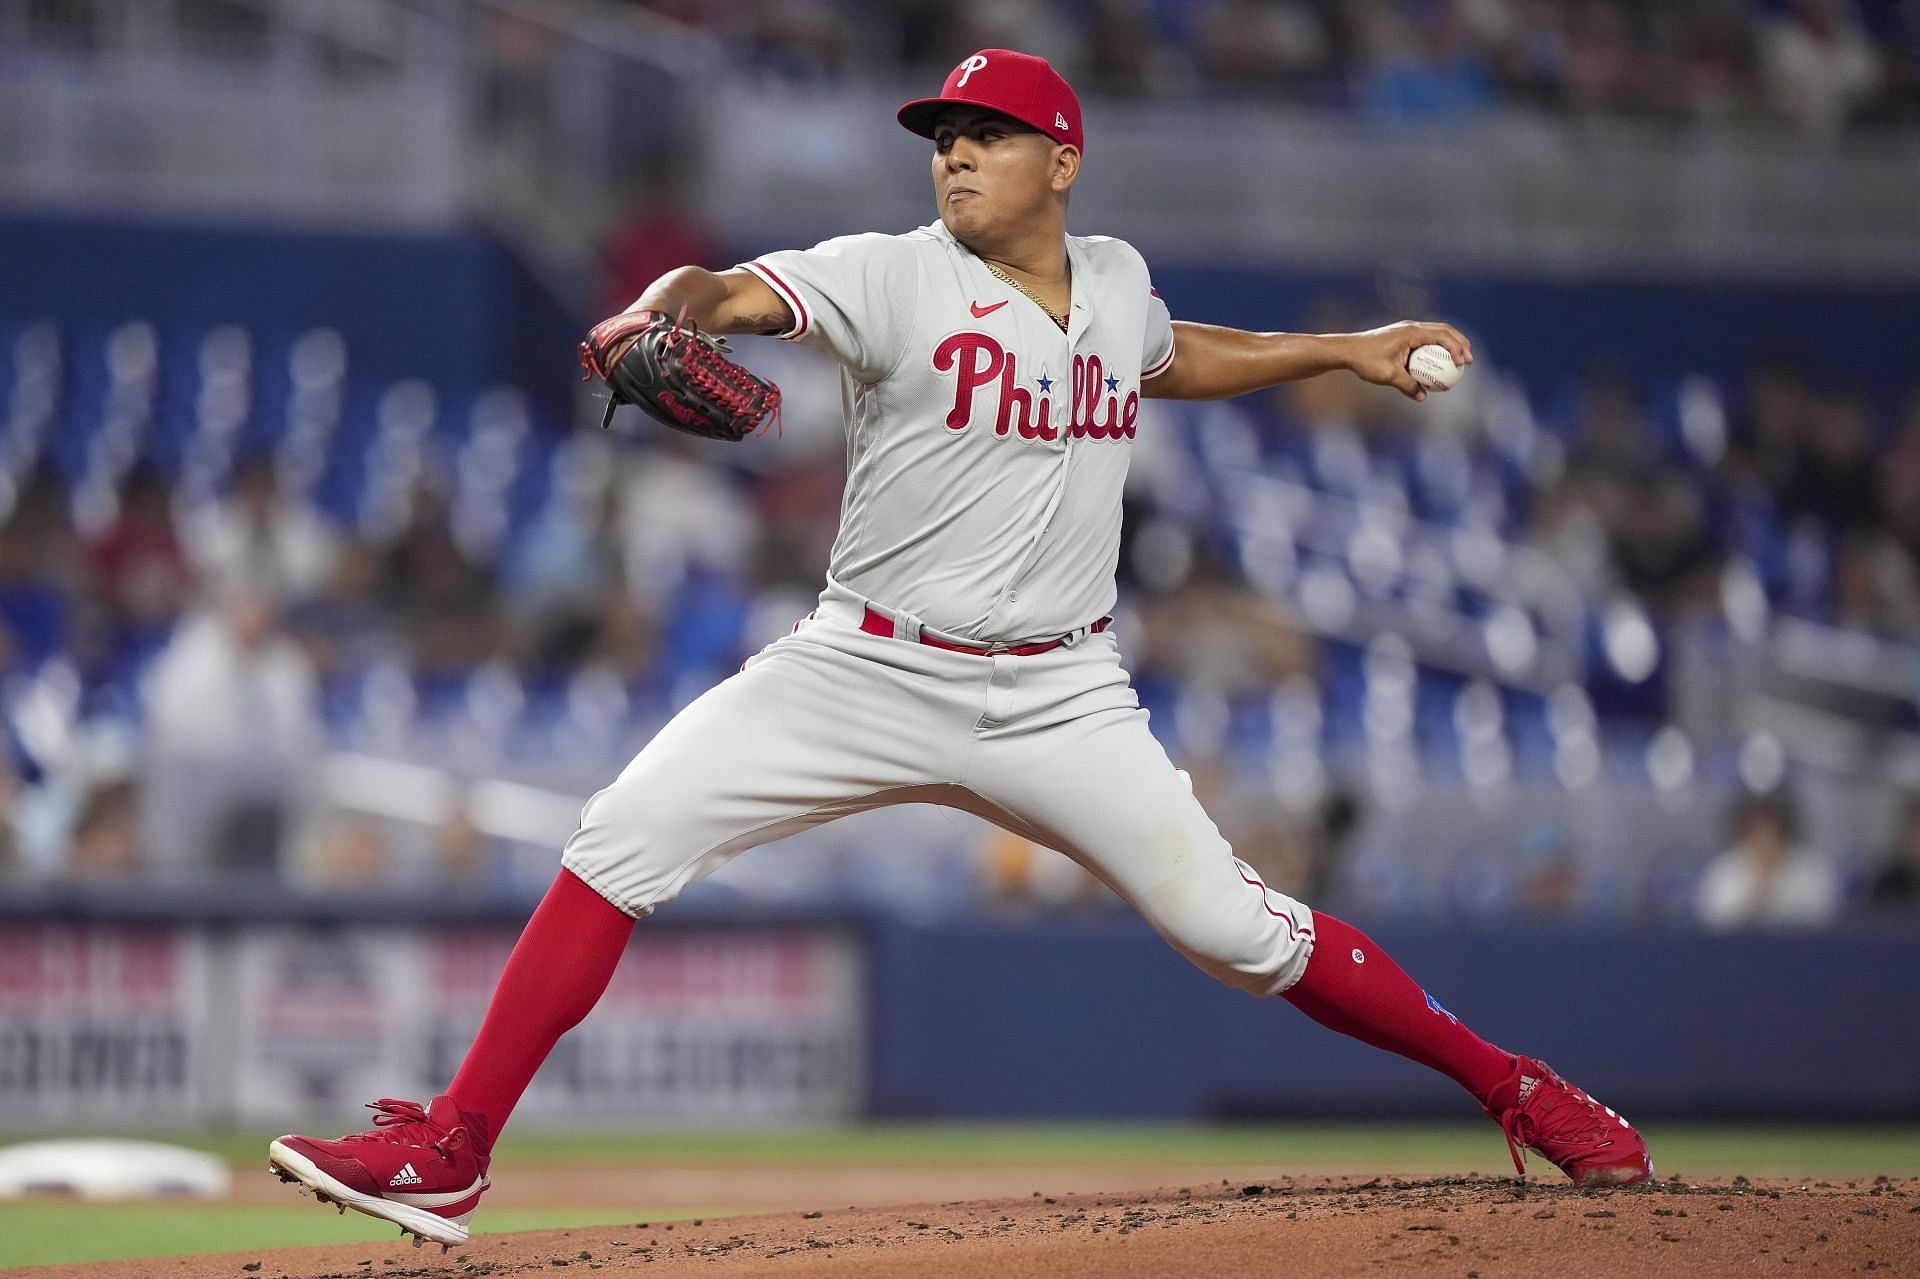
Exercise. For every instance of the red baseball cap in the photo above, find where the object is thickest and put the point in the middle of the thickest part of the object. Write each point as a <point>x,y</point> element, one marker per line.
<point>1018,85</point>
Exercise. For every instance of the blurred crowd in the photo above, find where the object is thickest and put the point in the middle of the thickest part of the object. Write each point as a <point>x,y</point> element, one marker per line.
<point>1819,67</point>
<point>178,672</point>
<point>181,660</point>
<point>211,604</point>
<point>1802,484</point>
<point>1707,510</point>
<point>1791,493</point>
<point>1816,66</point>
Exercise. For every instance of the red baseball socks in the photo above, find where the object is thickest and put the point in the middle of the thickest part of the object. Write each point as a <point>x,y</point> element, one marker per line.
<point>1354,987</point>
<point>558,970</point>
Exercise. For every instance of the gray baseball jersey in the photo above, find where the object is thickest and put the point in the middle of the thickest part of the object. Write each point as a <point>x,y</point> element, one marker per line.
<point>987,449</point>
<point>982,504</point>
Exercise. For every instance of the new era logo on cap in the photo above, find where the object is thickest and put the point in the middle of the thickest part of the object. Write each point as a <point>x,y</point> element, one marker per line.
<point>1018,85</point>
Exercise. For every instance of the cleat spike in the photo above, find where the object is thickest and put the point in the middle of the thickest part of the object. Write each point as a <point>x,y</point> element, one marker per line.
<point>341,1209</point>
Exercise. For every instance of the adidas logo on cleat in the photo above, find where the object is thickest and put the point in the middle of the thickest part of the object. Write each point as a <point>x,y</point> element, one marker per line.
<point>405,1177</point>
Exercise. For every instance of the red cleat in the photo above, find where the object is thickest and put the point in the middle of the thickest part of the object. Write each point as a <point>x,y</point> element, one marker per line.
<point>1587,1141</point>
<point>423,1170</point>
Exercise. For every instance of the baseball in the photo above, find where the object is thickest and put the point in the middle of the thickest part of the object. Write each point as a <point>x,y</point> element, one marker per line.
<point>1432,366</point>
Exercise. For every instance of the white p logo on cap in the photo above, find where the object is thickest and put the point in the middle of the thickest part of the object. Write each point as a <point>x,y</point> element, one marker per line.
<point>967,68</point>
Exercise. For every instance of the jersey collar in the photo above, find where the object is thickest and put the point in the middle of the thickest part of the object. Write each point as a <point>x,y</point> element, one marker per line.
<point>1078,312</point>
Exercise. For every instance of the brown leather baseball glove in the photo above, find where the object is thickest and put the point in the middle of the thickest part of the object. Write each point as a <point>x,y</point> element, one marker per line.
<point>678,374</point>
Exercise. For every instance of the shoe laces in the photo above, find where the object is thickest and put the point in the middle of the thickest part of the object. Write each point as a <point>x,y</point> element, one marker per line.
<point>402,1123</point>
<point>1559,1108</point>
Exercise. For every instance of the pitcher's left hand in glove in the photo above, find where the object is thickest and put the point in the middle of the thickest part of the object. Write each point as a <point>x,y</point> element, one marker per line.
<point>678,374</point>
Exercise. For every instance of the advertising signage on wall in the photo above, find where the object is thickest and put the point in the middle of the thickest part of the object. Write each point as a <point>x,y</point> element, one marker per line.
<point>113,1025</point>
<point>710,1027</point>
<point>102,1025</point>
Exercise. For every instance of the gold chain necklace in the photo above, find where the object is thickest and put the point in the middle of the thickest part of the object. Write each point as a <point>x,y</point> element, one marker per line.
<point>1052,314</point>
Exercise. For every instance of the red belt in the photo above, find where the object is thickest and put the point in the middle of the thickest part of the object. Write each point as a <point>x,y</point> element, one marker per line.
<point>875,623</point>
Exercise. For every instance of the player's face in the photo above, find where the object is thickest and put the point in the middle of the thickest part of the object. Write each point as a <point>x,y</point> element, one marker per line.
<point>991,174</point>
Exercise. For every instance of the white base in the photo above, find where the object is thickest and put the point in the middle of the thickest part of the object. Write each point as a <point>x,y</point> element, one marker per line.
<point>98,1168</point>
<point>427,1225</point>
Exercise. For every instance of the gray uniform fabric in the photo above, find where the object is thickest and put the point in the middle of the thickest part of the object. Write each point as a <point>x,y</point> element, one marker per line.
<point>986,456</point>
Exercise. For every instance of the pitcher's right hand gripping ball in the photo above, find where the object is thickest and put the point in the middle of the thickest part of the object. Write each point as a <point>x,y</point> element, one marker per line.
<point>678,374</point>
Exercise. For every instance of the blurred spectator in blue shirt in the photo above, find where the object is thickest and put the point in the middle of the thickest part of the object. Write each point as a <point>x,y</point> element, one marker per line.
<point>563,577</point>
<point>1426,69</point>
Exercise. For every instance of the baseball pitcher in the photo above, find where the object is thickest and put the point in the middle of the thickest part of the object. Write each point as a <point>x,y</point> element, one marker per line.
<point>992,368</point>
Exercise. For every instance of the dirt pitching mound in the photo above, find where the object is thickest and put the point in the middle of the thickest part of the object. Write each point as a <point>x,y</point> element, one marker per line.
<point>1467,1227</point>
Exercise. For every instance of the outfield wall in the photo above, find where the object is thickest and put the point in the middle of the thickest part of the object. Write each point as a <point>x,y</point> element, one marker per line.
<point>978,1020</point>
<point>154,1014</point>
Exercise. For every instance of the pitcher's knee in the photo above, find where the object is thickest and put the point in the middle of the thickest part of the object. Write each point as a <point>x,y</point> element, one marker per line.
<point>1266,963</point>
<point>1254,939</point>
<point>635,853</point>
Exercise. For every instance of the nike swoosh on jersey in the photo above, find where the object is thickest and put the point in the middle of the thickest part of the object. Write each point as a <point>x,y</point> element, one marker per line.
<point>982,312</point>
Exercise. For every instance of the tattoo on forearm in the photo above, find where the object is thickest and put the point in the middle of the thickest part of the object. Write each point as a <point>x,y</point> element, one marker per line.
<point>768,323</point>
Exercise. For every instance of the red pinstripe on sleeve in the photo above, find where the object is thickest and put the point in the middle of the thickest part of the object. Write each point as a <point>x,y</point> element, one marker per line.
<point>802,319</point>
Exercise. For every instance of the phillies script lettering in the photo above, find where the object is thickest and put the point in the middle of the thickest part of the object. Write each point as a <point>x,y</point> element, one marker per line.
<point>980,363</point>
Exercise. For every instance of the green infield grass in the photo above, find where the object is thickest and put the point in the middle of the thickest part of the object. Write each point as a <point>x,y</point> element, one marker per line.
<point>46,1233</point>
<point>49,1231</point>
